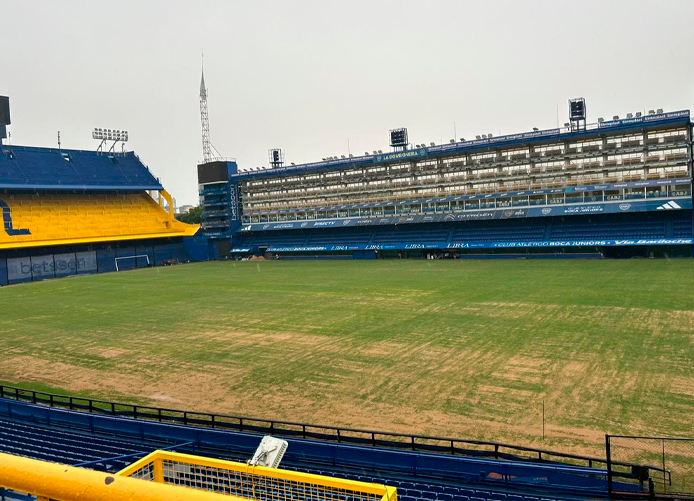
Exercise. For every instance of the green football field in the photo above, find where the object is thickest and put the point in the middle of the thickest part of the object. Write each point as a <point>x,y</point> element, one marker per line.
<point>470,349</point>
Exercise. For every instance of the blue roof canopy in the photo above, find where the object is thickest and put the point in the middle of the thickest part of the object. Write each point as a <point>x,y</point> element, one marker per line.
<point>27,167</point>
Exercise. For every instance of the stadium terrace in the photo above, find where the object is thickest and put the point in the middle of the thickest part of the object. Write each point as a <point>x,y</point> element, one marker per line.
<point>71,212</point>
<point>613,188</point>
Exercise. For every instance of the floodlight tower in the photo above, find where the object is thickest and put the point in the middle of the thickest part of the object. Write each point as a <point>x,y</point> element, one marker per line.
<point>204,118</point>
<point>117,136</point>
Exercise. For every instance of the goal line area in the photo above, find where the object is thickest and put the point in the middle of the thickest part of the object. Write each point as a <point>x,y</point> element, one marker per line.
<point>132,257</point>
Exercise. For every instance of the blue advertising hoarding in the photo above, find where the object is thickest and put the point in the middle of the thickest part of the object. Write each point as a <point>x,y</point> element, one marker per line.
<point>479,245</point>
<point>622,206</point>
<point>492,196</point>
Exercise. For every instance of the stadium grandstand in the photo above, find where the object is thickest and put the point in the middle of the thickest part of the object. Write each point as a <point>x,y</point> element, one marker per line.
<point>68,212</point>
<point>620,187</point>
<point>319,463</point>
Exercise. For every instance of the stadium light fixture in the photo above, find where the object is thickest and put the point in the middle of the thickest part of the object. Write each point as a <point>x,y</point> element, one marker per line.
<point>484,136</point>
<point>567,124</point>
<point>110,134</point>
<point>630,115</point>
<point>366,153</point>
<point>115,135</point>
<point>600,120</point>
<point>660,110</point>
<point>375,152</point>
<point>380,151</point>
<point>432,143</point>
<point>615,117</point>
<point>535,129</point>
<point>651,112</point>
<point>638,114</point>
<point>478,137</point>
<point>452,141</point>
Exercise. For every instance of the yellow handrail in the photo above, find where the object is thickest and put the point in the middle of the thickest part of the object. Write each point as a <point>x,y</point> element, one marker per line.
<point>246,481</point>
<point>68,483</point>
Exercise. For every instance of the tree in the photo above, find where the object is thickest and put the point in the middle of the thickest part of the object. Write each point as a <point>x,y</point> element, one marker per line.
<point>193,216</point>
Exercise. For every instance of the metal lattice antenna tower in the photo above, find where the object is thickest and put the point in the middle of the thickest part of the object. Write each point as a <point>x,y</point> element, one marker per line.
<point>204,118</point>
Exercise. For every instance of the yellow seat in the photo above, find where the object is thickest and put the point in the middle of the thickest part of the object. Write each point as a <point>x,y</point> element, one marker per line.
<point>69,218</point>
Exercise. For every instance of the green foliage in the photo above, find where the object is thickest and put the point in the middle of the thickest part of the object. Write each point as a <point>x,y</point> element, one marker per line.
<point>193,216</point>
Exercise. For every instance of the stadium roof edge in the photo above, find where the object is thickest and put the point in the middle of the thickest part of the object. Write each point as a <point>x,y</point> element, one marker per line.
<point>80,187</point>
<point>19,147</point>
<point>478,144</point>
<point>36,167</point>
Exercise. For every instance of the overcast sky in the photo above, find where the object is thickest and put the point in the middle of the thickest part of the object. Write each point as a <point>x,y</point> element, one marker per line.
<point>313,77</point>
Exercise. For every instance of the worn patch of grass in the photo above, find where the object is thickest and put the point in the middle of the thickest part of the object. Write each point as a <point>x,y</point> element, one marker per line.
<point>464,348</point>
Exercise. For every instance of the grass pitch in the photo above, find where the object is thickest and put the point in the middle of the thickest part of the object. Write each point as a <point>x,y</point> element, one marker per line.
<point>458,348</point>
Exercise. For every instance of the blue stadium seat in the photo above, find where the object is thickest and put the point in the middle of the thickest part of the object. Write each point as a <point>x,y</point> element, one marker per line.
<point>48,167</point>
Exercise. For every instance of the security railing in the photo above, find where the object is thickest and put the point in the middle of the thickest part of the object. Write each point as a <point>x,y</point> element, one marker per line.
<point>665,464</point>
<point>251,482</point>
<point>60,482</point>
<point>354,436</point>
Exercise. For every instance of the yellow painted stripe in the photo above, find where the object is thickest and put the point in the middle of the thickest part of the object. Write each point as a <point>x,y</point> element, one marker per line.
<point>71,241</point>
<point>387,493</point>
<point>68,483</point>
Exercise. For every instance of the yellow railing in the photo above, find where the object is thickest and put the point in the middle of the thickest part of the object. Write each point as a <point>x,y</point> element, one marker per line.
<point>251,482</point>
<point>68,483</point>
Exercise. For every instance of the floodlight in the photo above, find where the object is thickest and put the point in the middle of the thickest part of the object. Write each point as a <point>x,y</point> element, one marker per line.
<point>293,163</point>
<point>651,112</point>
<point>630,115</point>
<point>380,151</point>
<point>615,117</point>
<point>366,153</point>
<point>462,139</point>
<point>324,159</point>
<point>660,110</point>
<point>535,129</point>
<point>484,136</point>
<point>638,114</point>
<point>478,137</point>
<point>432,143</point>
<point>452,140</point>
<point>375,152</point>
<point>489,135</point>
<point>342,156</point>
<point>600,120</point>
<point>566,124</point>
